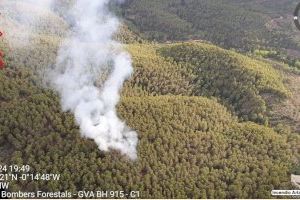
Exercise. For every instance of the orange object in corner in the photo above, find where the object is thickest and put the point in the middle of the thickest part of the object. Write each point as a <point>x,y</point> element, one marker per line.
<point>2,64</point>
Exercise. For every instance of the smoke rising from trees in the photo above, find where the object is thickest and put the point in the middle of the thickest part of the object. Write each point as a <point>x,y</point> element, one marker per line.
<point>90,71</point>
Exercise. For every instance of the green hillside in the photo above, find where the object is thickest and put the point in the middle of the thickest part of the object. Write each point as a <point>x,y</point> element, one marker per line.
<point>190,147</point>
<point>198,69</point>
<point>201,112</point>
<point>230,23</point>
<point>189,69</point>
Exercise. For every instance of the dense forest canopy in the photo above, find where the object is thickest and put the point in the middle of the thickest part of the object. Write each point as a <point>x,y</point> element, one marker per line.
<point>228,159</point>
<point>230,23</point>
<point>207,117</point>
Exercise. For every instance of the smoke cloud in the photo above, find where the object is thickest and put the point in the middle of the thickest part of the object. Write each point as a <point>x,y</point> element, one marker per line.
<point>88,52</point>
<point>89,73</point>
<point>22,20</point>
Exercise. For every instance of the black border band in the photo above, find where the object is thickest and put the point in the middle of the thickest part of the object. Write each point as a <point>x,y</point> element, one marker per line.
<point>296,16</point>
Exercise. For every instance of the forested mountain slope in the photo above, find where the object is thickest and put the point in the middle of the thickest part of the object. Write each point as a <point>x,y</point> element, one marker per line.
<point>198,69</point>
<point>189,147</point>
<point>200,111</point>
<point>230,23</point>
<point>178,131</point>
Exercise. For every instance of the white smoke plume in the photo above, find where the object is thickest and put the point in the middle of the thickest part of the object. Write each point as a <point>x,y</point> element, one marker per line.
<point>23,19</point>
<point>88,52</point>
<point>47,4</point>
<point>86,55</point>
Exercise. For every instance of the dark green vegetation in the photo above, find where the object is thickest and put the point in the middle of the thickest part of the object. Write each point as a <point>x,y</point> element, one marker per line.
<point>293,61</point>
<point>236,24</point>
<point>201,112</point>
<point>189,147</point>
<point>197,69</point>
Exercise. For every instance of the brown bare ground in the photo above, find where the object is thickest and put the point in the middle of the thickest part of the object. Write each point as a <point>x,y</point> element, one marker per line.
<point>295,179</point>
<point>288,111</point>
